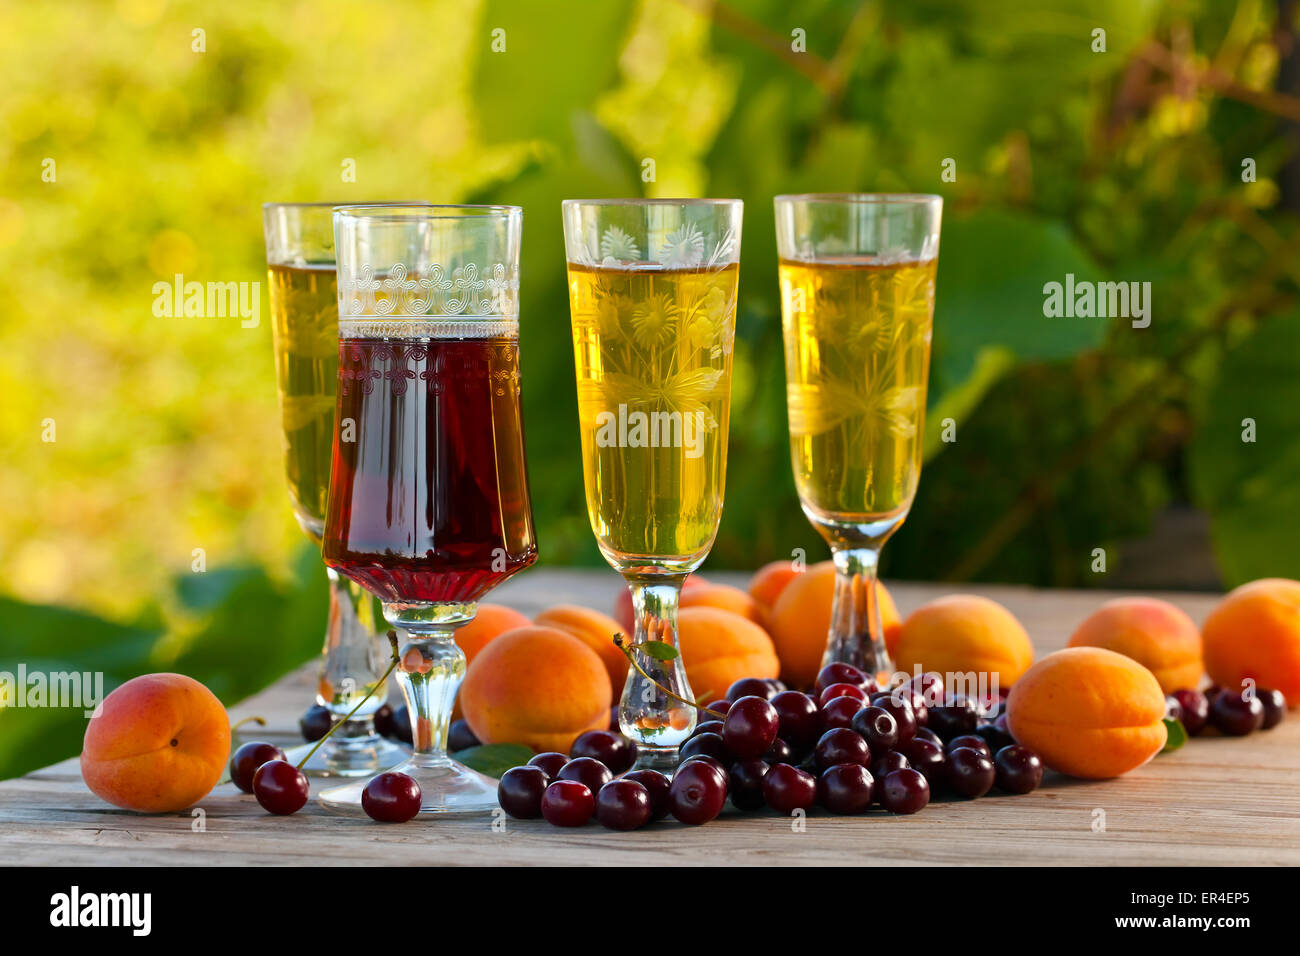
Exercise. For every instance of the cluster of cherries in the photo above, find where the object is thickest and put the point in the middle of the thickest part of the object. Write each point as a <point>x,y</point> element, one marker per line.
<point>1230,712</point>
<point>846,747</point>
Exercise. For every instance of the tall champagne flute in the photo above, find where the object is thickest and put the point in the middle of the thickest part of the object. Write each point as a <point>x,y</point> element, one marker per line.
<point>304,311</point>
<point>652,293</point>
<point>428,502</point>
<point>857,278</point>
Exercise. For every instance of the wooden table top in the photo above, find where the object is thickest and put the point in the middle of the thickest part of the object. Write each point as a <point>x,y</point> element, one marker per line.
<point>1216,801</point>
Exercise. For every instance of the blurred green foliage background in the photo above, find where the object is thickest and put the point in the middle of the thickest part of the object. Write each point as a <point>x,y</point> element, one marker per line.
<point>138,139</point>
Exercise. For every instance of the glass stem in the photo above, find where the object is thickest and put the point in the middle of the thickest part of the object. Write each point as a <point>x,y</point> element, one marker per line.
<point>354,660</point>
<point>857,636</point>
<point>656,722</point>
<point>430,668</point>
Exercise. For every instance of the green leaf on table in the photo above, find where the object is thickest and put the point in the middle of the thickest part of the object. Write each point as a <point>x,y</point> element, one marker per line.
<point>494,759</point>
<point>1177,735</point>
<point>659,650</point>
<point>1245,455</point>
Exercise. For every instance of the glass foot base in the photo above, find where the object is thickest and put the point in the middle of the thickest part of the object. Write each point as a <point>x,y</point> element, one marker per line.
<point>349,757</point>
<point>447,787</point>
<point>663,759</point>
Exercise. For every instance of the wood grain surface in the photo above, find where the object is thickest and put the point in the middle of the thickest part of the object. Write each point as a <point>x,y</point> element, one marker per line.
<point>1217,801</point>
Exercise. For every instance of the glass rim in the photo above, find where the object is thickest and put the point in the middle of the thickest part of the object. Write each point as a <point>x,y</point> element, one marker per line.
<point>335,205</point>
<point>881,199</point>
<point>426,211</point>
<point>567,203</point>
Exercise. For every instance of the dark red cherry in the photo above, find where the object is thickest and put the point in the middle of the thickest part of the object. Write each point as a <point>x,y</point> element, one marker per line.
<point>587,771</point>
<point>901,710</point>
<point>520,791</point>
<point>970,772</point>
<point>750,687</point>
<point>248,758</point>
<point>708,727</point>
<point>841,690</point>
<point>623,805</point>
<point>787,789</point>
<point>280,787</point>
<point>907,695</point>
<point>779,752</point>
<point>904,791</point>
<point>972,742</point>
<point>877,727</point>
<point>840,712</point>
<point>745,783</point>
<point>716,709</point>
<point>656,785</point>
<point>994,737</point>
<point>460,737</point>
<point>707,745</point>
<point>1274,702</point>
<point>383,719</point>
<point>568,803</point>
<point>551,762</point>
<point>927,758</point>
<point>391,798</point>
<point>697,792</point>
<point>925,733</point>
<point>841,745</point>
<point>840,673</point>
<point>930,687</point>
<point>613,750</point>
<point>315,722</point>
<point>798,717</point>
<point>751,726</point>
<point>1196,710</point>
<point>1235,714</point>
<point>881,764</point>
<point>1018,769</point>
<point>717,765</point>
<point>401,725</point>
<point>959,716</point>
<point>845,788</point>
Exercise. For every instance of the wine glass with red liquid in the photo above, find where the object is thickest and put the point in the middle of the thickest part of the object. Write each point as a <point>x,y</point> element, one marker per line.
<point>428,504</point>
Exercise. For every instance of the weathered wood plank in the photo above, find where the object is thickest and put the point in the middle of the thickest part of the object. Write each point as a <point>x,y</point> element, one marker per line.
<point>1217,801</point>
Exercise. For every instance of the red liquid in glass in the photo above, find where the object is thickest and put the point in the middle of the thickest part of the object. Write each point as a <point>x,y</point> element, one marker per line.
<point>429,501</point>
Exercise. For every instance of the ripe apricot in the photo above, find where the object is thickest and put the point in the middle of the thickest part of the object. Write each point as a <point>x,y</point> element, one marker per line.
<point>726,597</point>
<point>770,580</point>
<point>1154,633</point>
<point>1088,712</point>
<point>490,621</point>
<point>623,612</point>
<point>160,743</point>
<point>539,686</point>
<point>1254,633</point>
<point>594,629</point>
<point>801,620</point>
<point>960,633</point>
<point>719,647</point>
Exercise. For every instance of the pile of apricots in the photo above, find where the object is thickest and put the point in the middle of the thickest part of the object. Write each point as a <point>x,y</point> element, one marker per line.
<point>1097,709</point>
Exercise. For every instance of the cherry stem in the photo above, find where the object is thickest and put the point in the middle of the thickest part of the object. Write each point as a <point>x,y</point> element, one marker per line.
<point>260,721</point>
<point>627,650</point>
<point>382,682</point>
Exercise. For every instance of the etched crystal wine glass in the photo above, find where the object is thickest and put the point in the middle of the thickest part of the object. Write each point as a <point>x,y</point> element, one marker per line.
<point>652,294</point>
<point>304,311</point>
<point>428,504</point>
<point>857,275</point>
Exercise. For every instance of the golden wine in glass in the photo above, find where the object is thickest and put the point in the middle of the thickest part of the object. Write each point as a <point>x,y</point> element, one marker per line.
<point>857,275</point>
<point>305,331</point>
<point>652,294</point>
